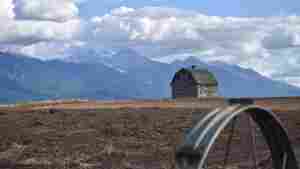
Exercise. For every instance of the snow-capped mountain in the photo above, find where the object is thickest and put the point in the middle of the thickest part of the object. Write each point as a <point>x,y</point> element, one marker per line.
<point>121,59</point>
<point>121,74</point>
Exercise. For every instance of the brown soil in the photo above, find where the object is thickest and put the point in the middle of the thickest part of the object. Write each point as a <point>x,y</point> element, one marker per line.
<point>123,138</point>
<point>119,138</point>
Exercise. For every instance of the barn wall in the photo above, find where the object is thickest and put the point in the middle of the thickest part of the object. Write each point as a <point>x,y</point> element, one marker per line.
<point>184,86</point>
<point>202,91</point>
<point>212,91</point>
<point>181,90</point>
<point>209,90</point>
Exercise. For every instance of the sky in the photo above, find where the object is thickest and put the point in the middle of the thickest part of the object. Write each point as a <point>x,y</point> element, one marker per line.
<point>262,35</point>
<point>245,8</point>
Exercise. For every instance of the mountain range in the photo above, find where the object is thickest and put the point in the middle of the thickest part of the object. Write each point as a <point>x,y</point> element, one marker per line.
<point>119,75</point>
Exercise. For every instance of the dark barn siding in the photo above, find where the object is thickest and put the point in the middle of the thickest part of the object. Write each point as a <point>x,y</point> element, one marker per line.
<point>185,85</point>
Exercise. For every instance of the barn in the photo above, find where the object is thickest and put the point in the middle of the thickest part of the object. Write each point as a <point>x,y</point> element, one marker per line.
<point>194,82</point>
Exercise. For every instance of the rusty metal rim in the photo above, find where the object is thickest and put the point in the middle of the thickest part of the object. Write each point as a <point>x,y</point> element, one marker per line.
<point>281,150</point>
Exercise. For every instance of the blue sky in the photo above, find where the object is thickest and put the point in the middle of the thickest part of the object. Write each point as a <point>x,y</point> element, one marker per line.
<point>209,7</point>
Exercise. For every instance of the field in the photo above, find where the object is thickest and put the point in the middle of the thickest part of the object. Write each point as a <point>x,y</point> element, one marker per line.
<point>116,135</point>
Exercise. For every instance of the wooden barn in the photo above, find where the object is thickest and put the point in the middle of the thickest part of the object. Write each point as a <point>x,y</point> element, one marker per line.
<point>194,82</point>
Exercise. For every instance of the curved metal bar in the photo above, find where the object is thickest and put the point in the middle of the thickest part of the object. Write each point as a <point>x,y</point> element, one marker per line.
<point>214,123</point>
<point>227,148</point>
<point>217,133</point>
<point>276,137</point>
<point>252,109</point>
<point>202,123</point>
<point>279,144</point>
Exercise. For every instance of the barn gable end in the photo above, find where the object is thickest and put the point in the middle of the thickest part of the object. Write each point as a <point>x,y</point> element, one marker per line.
<point>194,82</point>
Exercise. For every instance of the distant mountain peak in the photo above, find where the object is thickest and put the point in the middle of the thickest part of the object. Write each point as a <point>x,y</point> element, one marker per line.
<point>120,77</point>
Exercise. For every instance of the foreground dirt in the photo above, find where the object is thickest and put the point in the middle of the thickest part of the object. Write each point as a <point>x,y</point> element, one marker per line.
<point>124,138</point>
<point>133,138</point>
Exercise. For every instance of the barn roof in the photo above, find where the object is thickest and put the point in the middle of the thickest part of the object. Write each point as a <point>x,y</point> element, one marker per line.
<point>200,75</point>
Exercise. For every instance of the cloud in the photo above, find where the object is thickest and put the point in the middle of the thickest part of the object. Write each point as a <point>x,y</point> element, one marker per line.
<point>22,31</point>
<point>6,9</point>
<point>184,29</point>
<point>29,32</point>
<point>269,45</point>
<point>49,50</point>
<point>54,10</point>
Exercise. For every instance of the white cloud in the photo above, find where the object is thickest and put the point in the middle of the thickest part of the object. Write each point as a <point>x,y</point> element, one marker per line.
<point>16,32</point>
<point>188,30</point>
<point>28,32</point>
<point>267,44</point>
<point>55,10</point>
<point>49,50</point>
<point>122,10</point>
<point>6,9</point>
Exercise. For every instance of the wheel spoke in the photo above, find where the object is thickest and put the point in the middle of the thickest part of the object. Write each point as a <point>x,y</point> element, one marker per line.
<point>266,164</point>
<point>238,137</point>
<point>253,142</point>
<point>284,162</point>
<point>229,140</point>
